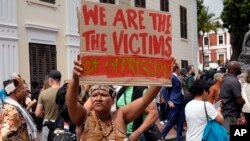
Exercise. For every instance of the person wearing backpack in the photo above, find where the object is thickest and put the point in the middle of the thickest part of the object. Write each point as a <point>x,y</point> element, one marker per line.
<point>63,128</point>
<point>46,102</point>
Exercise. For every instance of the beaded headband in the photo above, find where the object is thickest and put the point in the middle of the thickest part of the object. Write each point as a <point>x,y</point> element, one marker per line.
<point>108,89</point>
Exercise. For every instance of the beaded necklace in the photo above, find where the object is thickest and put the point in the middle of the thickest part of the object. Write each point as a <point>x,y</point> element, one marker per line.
<point>104,133</point>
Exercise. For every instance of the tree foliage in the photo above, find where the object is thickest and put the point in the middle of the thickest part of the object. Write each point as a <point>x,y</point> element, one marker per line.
<point>236,17</point>
<point>206,23</point>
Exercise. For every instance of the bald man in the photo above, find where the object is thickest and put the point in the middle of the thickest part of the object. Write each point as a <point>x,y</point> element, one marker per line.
<point>230,94</point>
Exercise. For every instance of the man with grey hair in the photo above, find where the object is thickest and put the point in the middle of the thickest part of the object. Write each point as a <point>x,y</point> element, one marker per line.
<point>214,90</point>
<point>230,95</point>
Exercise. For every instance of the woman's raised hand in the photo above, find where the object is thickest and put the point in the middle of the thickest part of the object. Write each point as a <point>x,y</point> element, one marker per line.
<point>77,68</point>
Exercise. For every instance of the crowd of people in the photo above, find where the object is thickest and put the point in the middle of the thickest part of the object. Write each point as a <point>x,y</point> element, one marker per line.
<point>72,111</point>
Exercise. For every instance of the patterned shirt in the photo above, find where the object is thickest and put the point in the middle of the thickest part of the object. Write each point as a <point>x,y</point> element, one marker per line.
<point>12,124</point>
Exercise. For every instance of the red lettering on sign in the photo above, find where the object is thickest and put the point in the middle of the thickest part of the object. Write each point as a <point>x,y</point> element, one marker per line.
<point>158,44</point>
<point>168,25</point>
<point>144,43</point>
<point>120,42</point>
<point>141,44</point>
<point>95,41</point>
<point>102,16</point>
<point>126,66</point>
<point>131,18</point>
<point>141,18</point>
<point>119,17</point>
<point>132,37</point>
<point>93,14</point>
<point>168,50</point>
<point>161,22</point>
<point>153,16</point>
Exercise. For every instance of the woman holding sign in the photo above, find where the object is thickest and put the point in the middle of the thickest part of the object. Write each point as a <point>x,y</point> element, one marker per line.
<point>101,124</point>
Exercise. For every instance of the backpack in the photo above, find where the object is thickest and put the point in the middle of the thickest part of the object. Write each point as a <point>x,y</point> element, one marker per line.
<point>62,137</point>
<point>56,129</point>
<point>57,133</point>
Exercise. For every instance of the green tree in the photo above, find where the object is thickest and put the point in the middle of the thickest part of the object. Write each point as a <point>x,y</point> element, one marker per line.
<point>236,17</point>
<point>206,23</point>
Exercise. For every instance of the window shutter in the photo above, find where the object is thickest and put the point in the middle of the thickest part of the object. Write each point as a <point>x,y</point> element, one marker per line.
<point>42,60</point>
<point>108,1</point>
<point>164,5</point>
<point>183,22</point>
<point>140,3</point>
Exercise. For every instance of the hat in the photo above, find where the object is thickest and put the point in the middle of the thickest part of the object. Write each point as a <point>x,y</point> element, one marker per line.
<point>12,84</point>
<point>54,74</point>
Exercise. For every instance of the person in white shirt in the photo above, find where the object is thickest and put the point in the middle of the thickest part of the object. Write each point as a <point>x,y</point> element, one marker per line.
<point>195,111</point>
<point>246,97</point>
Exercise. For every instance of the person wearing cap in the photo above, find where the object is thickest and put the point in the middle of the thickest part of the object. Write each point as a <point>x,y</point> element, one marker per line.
<point>101,123</point>
<point>15,121</point>
<point>46,102</point>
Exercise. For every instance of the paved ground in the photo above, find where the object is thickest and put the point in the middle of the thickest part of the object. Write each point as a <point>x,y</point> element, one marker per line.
<point>39,136</point>
<point>172,133</point>
<point>170,137</point>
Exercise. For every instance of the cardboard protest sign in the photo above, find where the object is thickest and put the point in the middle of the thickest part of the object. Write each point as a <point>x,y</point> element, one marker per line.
<point>125,45</point>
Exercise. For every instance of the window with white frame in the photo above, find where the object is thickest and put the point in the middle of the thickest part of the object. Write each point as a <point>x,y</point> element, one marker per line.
<point>221,60</point>
<point>205,41</point>
<point>206,61</point>
<point>220,39</point>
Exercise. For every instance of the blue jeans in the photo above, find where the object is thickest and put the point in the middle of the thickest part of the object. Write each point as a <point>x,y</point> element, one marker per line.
<point>45,133</point>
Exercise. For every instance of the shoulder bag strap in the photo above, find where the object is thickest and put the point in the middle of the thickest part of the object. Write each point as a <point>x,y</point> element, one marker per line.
<point>205,110</point>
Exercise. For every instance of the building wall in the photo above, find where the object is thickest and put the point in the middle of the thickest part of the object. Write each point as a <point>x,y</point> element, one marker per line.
<point>214,49</point>
<point>32,21</point>
<point>182,49</point>
<point>8,39</point>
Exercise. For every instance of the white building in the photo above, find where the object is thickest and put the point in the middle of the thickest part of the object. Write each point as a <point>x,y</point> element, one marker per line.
<point>39,35</point>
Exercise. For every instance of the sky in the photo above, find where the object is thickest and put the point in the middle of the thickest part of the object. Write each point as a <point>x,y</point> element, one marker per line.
<point>215,6</point>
